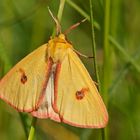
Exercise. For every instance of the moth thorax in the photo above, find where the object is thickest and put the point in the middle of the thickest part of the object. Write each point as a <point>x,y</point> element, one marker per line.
<point>58,48</point>
<point>57,52</point>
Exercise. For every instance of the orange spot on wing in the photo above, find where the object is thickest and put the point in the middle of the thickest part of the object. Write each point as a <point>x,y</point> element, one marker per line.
<point>24,79</point>
<point>23,76</point>
<point>81,93</point>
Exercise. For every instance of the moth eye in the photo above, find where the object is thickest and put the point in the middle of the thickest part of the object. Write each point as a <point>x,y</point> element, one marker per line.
<point>81,94</point>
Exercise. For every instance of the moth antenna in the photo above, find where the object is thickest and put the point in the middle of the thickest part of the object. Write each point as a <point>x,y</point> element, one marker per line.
<point>58,26</point>
<point>74,26</point>
<point>80,54</point>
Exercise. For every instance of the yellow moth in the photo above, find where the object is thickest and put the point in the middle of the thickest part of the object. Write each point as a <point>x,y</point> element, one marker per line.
<point>52,82</point>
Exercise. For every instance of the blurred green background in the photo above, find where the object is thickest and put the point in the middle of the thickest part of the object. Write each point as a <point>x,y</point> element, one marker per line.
<point>25,25</point>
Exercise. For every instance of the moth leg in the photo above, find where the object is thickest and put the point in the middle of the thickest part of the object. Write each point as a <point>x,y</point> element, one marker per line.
<point>97,84</point>
<point>83,55</point>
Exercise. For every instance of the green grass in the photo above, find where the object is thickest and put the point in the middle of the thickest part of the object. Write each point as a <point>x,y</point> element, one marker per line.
<point>114,41</point>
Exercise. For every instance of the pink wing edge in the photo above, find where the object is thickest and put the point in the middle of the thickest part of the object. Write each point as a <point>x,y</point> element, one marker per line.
<point>41,96</point>
<point>58,69</point>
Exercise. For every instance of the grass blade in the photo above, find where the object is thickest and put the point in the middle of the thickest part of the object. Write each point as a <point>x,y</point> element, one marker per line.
<point>82,12</point>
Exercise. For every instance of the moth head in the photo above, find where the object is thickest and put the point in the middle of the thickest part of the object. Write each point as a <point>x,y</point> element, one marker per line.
<point>58,48</point>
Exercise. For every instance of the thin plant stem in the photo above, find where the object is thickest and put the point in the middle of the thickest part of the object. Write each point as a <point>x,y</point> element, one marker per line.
<point>59,14</point>
<point>103,134</point>
<point>60,11</point>
<point>24,124</point>
<point>94,45</point>
<point>77,8</point>
<point>95,58</point>
<point>32,129</point>
<point>82,12</point>
<point>111,39</point>
<point>106,62</point>
<point>107,59</point>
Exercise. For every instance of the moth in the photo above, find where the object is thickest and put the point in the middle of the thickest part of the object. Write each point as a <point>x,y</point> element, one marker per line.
<point>52,82</point>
